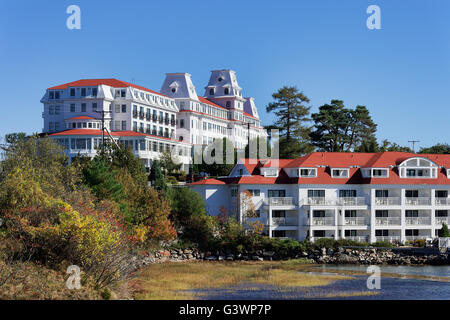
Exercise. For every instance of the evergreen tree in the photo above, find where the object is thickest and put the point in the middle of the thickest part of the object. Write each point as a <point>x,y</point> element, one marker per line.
<point>292,116</point>
<point>440,148</point>
<point>157,178</point>
<point>444,232</point>
<point>100,177</point>
<point>338,129</point>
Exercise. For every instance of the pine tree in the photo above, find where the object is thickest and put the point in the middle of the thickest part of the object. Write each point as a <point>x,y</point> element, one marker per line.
<point>157,178</point>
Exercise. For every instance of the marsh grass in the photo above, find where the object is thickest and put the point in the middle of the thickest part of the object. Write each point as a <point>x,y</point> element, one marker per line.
<point>172,281</point>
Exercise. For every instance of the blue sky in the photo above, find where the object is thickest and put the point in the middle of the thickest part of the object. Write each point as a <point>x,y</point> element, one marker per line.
<point>401,72</point>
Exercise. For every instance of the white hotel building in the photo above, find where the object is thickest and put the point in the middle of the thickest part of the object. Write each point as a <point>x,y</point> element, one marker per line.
<point>148,121</point>
<point>390,196</point>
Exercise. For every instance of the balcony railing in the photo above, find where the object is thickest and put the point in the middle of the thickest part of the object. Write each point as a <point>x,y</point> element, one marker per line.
<point>388,238</point>
<point>417,221</point>
<point>135,114</point>
<point>284,221</point>
<point>321,221</point>
<point>359,238</point>
<point>355,221</point>
<point>347,201</point>
<point>351,201</point>
<point>154,117</point>
<point>387,201</point>
<point>387,221</point>
<point>419,201</point>
<point>141,114</point>
<point>280,201</point>
<point>412,238</point>
<point>442,201</point>
<point>441,220</point>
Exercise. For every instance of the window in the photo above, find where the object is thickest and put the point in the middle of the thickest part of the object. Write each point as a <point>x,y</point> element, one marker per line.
<point>381,233</point>
<point>51,110</point>
<point>350,233</point>
<point>350,213</point>
<point>117,108</point>
<point>278,233</point>
<point>271,172</point>
<point>381,193</point>
<point>339,173</point>
<point>316,193</point>
<point>411,193</point>
<point>411,232</point>
<point>319,233</point>
<point>276,193</point>
<point>181,123</point>
<point>379,172</point>
<point>254,192</point>
<point>134,126</point>
<point>72,92</point>
<point>305,173</point>
<point>381,214</point>
<point>124,125</point>
<point>51,95</point>
<point>211,92</point>
<point>122,93</point>
<point>438,193</point>
<point>124,108</point>
<point>441,213</point>
<point>319,214</point>
<point>226,91</point>
<point>278,213</point>
<point>94,92</point>
<point>94,107</point>
<point>411,213</point>
<point>83,107</point>
<point>83,92</point>
<point>347,193</point>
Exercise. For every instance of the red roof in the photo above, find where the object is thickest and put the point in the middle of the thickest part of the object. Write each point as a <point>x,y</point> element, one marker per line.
<point>96,82</point>
<point>323,161</point>
<point>206,181</point>
<point>82,118</point>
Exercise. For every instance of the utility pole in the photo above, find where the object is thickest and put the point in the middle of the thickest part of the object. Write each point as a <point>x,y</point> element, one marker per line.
<point>103,128</point>
<point>413,144</point>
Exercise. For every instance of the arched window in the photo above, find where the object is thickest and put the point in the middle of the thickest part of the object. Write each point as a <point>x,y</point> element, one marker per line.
<point>228,104</point>
<point>211,92</point>
<point>227,91</point>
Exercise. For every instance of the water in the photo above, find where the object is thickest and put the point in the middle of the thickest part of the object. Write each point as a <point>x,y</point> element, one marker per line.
<point>433,286</point>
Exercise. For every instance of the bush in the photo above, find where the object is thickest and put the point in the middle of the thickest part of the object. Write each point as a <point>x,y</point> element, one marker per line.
<point>171,180</point>
<point>419,243</point>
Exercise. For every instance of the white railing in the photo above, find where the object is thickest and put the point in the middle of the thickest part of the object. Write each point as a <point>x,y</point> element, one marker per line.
<point>279,201</point>
<point>441,220</point>
<point>351,201</point>
<point>355,221</point>
<point>419,201</point>
<point>387,221</point>
<point>387,201</point>
<point>283,221</point>
<point>412,238</point>
<point>442,201</point>
<point>417,221</point>
<point>358,238</point>
<point>344,201</point>
<point>388,238</point>
<point>321,221</point>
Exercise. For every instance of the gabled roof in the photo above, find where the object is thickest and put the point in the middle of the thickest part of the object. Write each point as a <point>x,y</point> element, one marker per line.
<point>96,82</point>
<point>207,181</point>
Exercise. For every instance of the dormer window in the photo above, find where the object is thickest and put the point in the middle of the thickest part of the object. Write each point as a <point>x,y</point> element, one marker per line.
<point>448,173</point>
<point>226,91</point>
<point>228,104</point>
<point>270,172</point>
<point>418,168</point>
<point>340,173</point>
<point>220,79</point>
<point>174,90</point>
<point>83,92</point>
<point>307,173</point>
<point>211,92</point>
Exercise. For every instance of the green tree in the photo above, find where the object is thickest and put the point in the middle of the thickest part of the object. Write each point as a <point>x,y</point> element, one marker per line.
<point>292,116</point>
<point>386,145</point>
<point>259,152</point>
<point>338,129</point>
<point>100,177</point>
<point>218,169</point>
<point>444,232</point>
<point>157,178</point>
<point>440,148</point>
<point>168,163</point>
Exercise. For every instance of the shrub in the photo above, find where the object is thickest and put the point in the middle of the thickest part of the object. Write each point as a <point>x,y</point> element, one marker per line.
<point>419,243</point>
<point>444,232</point>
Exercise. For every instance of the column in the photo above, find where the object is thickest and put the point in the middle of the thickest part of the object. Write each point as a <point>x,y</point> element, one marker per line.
<point>402,216</point>
<point>336,216</point>
<point>433,212</point>
<point>270,221</point>
<point>372,219</point>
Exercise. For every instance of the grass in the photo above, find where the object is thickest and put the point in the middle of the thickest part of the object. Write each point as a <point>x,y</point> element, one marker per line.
<point>171,281</point>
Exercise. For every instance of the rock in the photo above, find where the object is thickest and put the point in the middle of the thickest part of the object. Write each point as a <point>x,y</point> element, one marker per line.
<point>221,258</point>
<point>343,258</point>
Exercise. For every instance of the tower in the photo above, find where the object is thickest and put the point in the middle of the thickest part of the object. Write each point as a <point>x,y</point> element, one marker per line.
<point>179,85</point>
<point>223,89</point>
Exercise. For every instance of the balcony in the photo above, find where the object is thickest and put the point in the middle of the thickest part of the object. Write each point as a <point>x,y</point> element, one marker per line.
<point>388,201</point>
<point>166,121</point>
<point>280,202</point>
<point>417,221</point>
<point>388,238</point>
<point>284,221</point>
<point>388,221</point>
<point>155,117</point>
<point>347,201</point>
<point>135,114</point>
<point>441,220</point>
<point>148,117</point>
<point>359,238</point>
<point>351,201</point>
<point>355,221</point>
<point>442,201</point>
<point>419,201</point>
<point>141,115</point>
<point>172,122</point>
<point>321,221</point>
<point>412,238</point>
